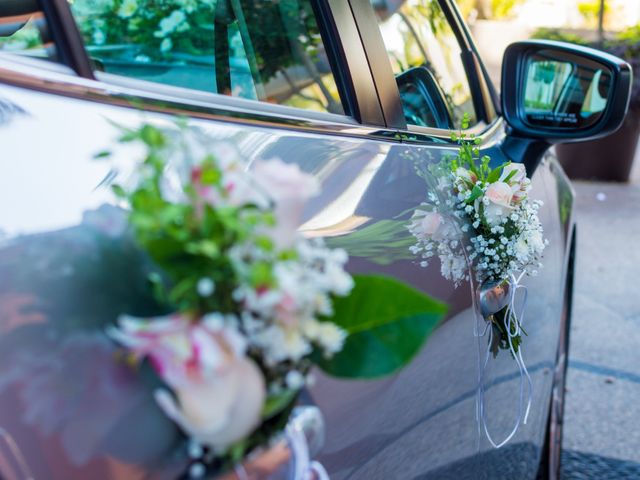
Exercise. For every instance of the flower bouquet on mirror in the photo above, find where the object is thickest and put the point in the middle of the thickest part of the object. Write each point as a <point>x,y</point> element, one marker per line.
<point>252,305</point>
<point>484,228</point>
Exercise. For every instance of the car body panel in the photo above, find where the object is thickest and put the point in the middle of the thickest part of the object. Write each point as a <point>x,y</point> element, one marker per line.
<point>69,409</point>
<point>425,413</point>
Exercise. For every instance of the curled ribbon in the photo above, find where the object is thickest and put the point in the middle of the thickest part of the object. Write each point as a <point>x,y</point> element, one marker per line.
<point>514,322</point>
<point>303,467</point>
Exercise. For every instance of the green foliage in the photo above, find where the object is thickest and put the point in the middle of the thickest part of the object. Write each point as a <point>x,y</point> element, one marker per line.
<point>500,339</point>
<point>503,8</point>
<point>559,36</point>
<point>276,403</point>
<point>590,10</point>
<point>382,242</point>
<point>189,240</point>
<point>469,158</point>
<point>387,323</point>
<point>630,35</point>
<point>179,31</point>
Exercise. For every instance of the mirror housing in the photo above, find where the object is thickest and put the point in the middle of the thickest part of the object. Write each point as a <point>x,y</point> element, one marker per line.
<point>560,92</point>
<point>423,101</point>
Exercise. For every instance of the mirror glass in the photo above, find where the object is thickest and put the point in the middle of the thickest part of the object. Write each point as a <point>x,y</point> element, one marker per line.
<point>564,91</point>
<point>423,101</point>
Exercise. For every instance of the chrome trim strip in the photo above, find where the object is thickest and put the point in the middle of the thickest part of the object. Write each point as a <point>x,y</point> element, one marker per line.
<point>31,74</point>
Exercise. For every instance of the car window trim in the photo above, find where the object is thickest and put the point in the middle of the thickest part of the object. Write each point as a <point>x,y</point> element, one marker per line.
<point>379,64</point>
<point>66,36</point>
<point>236,106</point>
<point>34,75</point>
<point>336,19</point>
<point>387,86</point>
<point>43,76</point>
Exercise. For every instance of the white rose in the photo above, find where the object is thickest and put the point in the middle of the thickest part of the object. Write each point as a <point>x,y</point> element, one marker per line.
<point>290,188</point>
<point>498,202</point>
<point>494,213</point>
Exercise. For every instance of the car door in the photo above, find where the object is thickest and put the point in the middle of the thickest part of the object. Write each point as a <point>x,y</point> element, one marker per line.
<point>67,410</point>
<point>422,423</point>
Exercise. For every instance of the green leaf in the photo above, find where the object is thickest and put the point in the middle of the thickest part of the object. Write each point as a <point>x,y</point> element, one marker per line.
<point>475,194</point>
<point>119,191</point>
<point>494,176</point>
<point>511,174</point>
<point>152,136</point>
<point>206,247</point>
<point>102,154</point>
<point>277,403</point>
<point>387,323</point>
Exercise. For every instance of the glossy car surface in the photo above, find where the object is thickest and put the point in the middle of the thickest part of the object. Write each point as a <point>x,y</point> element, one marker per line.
<point>67,410</point>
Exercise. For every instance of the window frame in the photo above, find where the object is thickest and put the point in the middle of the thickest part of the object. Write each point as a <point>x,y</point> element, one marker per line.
<point>369,93</point>
<point>479,84</point>
<point>66,36</point>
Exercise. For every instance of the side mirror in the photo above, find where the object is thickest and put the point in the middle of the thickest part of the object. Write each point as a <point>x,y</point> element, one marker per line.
<point>423,101</point>
<point>561,92</point>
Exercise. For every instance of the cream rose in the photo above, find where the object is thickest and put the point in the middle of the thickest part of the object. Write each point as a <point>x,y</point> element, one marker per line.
<point>430,224</point>
<point>218,392</point>
<point>500,194</point>
<point>220,409</point>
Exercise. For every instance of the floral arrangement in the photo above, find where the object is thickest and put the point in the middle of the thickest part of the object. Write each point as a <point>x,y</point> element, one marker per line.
<point>480,219</point>
<point>251,305</point>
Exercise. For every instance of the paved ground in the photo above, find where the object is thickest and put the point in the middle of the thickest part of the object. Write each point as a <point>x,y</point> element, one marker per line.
<point>602,416</point>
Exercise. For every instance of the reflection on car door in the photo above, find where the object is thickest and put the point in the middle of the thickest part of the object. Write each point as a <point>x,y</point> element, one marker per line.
<point>420,423</point>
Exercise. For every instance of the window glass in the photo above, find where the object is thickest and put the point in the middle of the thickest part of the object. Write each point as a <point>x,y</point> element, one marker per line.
<point>417,34</point>
<point>257,49</point>
<point>23,30</point>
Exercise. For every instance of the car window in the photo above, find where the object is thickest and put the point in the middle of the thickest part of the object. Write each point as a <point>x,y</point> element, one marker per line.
<point>254,49</point>
<point>23,30</point>
<point>419,40</point>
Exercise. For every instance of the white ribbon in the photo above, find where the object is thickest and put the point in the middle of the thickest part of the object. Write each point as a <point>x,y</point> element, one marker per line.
<point>303,467</point>
<point>515,320</point>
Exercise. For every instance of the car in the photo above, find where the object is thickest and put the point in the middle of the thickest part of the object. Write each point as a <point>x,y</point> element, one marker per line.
<point>358,93</point>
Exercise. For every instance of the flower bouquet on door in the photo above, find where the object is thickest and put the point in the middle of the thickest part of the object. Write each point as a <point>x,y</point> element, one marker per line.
<point>252,306</point>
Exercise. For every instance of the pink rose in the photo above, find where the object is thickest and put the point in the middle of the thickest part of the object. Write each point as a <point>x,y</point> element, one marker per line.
<point>499,193</point>
<point>290,188</point>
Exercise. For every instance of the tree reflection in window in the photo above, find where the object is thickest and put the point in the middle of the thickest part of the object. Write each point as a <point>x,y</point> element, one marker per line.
<point>270,51</point>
